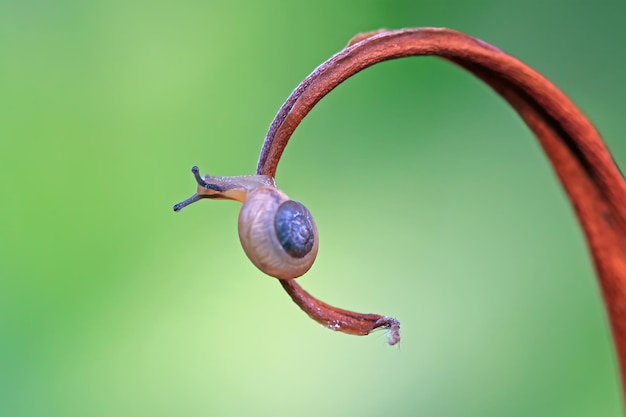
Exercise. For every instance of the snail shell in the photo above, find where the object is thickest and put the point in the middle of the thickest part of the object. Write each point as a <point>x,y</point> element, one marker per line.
<point>279,235</point>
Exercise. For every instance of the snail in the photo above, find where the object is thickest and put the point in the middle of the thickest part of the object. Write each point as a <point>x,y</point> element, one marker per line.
<point>277,234</point>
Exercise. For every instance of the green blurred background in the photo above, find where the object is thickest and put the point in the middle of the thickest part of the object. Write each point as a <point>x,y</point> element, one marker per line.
<point>433,201</point>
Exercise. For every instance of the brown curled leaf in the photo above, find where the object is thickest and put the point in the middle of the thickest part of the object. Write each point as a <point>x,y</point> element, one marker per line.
<point>576,151</point>
<point>364,35</point>
<point>334,318</point>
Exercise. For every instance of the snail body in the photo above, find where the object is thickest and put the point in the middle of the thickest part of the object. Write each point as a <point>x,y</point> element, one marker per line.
<point>277,234</point>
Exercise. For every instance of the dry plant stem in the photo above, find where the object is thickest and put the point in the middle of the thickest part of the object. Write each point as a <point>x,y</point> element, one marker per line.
<point>578,155</point>
<point>338,319</point>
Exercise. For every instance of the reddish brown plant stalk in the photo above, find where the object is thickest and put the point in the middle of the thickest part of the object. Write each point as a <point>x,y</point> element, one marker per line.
<point>578,155</point>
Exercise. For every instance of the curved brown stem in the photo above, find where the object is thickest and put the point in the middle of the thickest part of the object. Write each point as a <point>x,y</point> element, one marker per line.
<point>578,155</point>
<point>339,319</point>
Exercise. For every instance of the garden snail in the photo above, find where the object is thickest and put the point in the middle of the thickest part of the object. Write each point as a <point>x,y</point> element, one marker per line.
<point>277,234</point>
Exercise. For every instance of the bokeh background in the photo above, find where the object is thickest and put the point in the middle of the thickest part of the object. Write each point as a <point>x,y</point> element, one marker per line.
<point>433,201</point>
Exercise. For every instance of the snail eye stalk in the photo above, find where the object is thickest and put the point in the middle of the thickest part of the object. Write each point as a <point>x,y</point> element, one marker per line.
<point>196,174</point>
<point>192,199</point>
<point>195,197</point>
